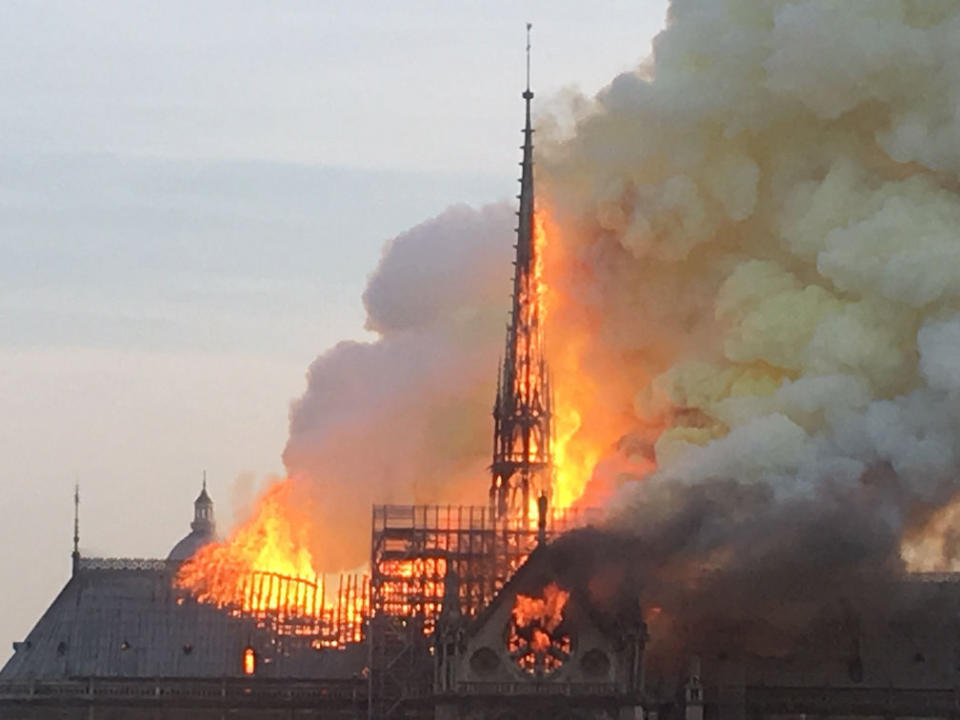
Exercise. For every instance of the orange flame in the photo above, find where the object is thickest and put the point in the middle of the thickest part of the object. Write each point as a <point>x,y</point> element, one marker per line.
<point>265,567</point>
<point>587,422</point>
<point>534,641</point>
<point>413,587</point>
<point>267,542</point>
<point>570,477</point>
<point>573,465</point>
<point>271,543</point>
<point>546,611</point>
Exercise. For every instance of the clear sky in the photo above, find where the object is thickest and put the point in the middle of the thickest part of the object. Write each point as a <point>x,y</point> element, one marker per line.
<point>191,198</point>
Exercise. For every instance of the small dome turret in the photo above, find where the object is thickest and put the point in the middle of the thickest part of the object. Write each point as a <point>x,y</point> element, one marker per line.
<point>203,512</point>
<point>203,529</point>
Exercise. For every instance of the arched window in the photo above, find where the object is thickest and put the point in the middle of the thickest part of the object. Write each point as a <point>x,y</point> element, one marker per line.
<point>249,661</point>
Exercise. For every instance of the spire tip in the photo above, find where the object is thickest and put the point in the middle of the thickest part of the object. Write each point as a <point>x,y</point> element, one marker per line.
<point>527,91</point>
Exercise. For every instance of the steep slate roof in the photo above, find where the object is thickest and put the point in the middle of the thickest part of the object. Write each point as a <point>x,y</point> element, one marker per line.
<point>548,563</point>
<point>910,640</point>
<point>525,579</point>
<point>915,645</point>
<point>127,620</point>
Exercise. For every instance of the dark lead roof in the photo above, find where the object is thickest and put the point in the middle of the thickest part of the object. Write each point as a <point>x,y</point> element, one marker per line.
<point>125,619</point>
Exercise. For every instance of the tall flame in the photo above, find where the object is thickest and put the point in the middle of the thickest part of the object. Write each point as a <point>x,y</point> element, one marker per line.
<point>570,477</point>
<point>266,568</point>
<point>267,542</point>
<point>274,542</point>
<point>586,426</point>
<point>576,452</point>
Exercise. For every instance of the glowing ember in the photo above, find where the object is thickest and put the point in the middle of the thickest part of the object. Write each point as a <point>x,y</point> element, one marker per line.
<point>535,638</point>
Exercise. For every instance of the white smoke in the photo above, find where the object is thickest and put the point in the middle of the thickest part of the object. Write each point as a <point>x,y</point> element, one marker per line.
<point>774,200</point>
<point>754,245</point>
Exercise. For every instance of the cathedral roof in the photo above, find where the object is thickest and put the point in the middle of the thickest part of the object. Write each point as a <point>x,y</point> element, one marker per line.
<point>124,618</point>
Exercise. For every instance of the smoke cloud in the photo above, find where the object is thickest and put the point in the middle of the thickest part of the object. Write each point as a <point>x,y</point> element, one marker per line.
<point>755,235</point>
<point>406,418</point>
<point>753,322</point>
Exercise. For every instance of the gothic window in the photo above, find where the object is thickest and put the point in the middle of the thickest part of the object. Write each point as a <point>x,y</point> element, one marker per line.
<point>537,638</point>
<point>249,661</point>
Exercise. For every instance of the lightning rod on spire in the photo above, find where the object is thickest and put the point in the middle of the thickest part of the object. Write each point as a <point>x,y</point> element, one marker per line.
<point>529,25</point>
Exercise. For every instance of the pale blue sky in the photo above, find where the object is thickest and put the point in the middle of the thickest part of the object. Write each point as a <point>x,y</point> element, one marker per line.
<point>191,198</point>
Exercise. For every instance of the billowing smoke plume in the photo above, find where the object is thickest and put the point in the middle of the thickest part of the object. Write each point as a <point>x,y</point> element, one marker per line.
<point>406,418</point>
<point>753,262</point>
<point>757,239</point>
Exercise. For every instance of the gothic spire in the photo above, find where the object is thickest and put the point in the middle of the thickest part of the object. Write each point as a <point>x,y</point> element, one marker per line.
<point>522,464</point>
<point>525,250</point>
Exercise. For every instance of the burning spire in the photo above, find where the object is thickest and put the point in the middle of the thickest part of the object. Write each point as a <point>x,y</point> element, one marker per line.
<point>522,463</point>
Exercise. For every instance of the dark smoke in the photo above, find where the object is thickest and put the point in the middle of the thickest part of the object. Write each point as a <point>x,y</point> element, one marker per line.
<point>762,222</point>
<point>731,572</point>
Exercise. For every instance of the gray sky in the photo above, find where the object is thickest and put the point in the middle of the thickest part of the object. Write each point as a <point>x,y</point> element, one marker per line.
<point>191,198</point>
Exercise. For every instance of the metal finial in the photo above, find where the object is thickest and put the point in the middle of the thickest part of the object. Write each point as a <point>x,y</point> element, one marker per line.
<point>529,25</point>
<point>75,557</point>
<point>76,518</point>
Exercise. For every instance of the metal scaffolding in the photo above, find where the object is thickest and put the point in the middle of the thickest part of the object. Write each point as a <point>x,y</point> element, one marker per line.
<point>413,549</point>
